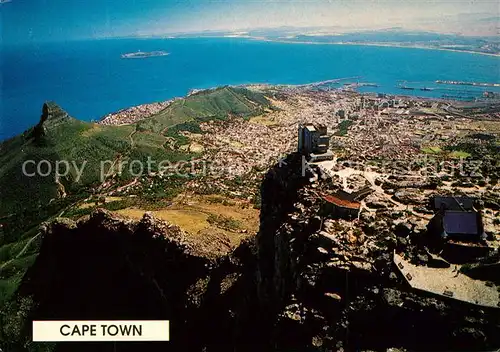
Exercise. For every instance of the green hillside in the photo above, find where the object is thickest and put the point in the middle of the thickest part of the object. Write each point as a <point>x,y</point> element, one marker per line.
<point>206,105</point>
<point>58,138</point>
<point>61,137</point>
<point>27,201</point>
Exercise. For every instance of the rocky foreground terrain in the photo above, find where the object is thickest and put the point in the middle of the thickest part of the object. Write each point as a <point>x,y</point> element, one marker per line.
<point>305,280</point>
<point>337,285</point>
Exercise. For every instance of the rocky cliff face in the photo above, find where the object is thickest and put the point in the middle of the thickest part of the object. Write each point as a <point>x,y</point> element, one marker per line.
<point>307,282</point>
<point>331,284</point>
<point>277,254</point>
<point>106,267</point>
<point>52,115</point>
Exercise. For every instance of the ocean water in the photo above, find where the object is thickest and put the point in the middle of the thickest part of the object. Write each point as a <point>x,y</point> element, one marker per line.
<point>89,79</point>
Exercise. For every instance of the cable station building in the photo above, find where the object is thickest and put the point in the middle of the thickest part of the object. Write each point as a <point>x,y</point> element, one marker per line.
<point>313,142</point>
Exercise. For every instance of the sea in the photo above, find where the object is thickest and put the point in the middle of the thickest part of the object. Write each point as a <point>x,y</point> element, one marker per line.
<point>89,79</point>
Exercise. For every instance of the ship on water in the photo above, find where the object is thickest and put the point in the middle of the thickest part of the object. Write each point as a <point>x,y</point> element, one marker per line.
<point>143,54</point>
<point>421,86</point>
<point>406,87</point>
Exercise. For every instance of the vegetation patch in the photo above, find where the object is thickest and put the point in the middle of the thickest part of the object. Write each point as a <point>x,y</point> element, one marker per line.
<point>263,120</point>
<point>343,127</point>
<point>457,154</point>
<point>432,150</point>
<point>195,214</point>
<point>224,222</point>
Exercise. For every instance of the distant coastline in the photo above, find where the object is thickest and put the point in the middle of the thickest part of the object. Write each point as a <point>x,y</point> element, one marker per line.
<point>389,45</point>
<point>382,45</point>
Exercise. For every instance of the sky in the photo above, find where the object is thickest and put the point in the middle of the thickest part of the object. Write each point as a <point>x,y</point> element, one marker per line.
<point>63,20</point>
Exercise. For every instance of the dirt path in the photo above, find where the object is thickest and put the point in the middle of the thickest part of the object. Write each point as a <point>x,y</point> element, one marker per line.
<point>131,137</point>
<point>22,251</point>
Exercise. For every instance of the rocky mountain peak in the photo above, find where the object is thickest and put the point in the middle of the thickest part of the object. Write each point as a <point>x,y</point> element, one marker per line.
<point>52,115</point>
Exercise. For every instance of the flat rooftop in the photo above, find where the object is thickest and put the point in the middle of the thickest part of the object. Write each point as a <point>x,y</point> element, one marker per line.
<point>341,202</point>
<point>460,222</point>
<point>448,282</point>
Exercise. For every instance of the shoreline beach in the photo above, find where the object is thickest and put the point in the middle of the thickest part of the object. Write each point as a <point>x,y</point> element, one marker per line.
<point>389,45</point>
<point>370,44</point>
